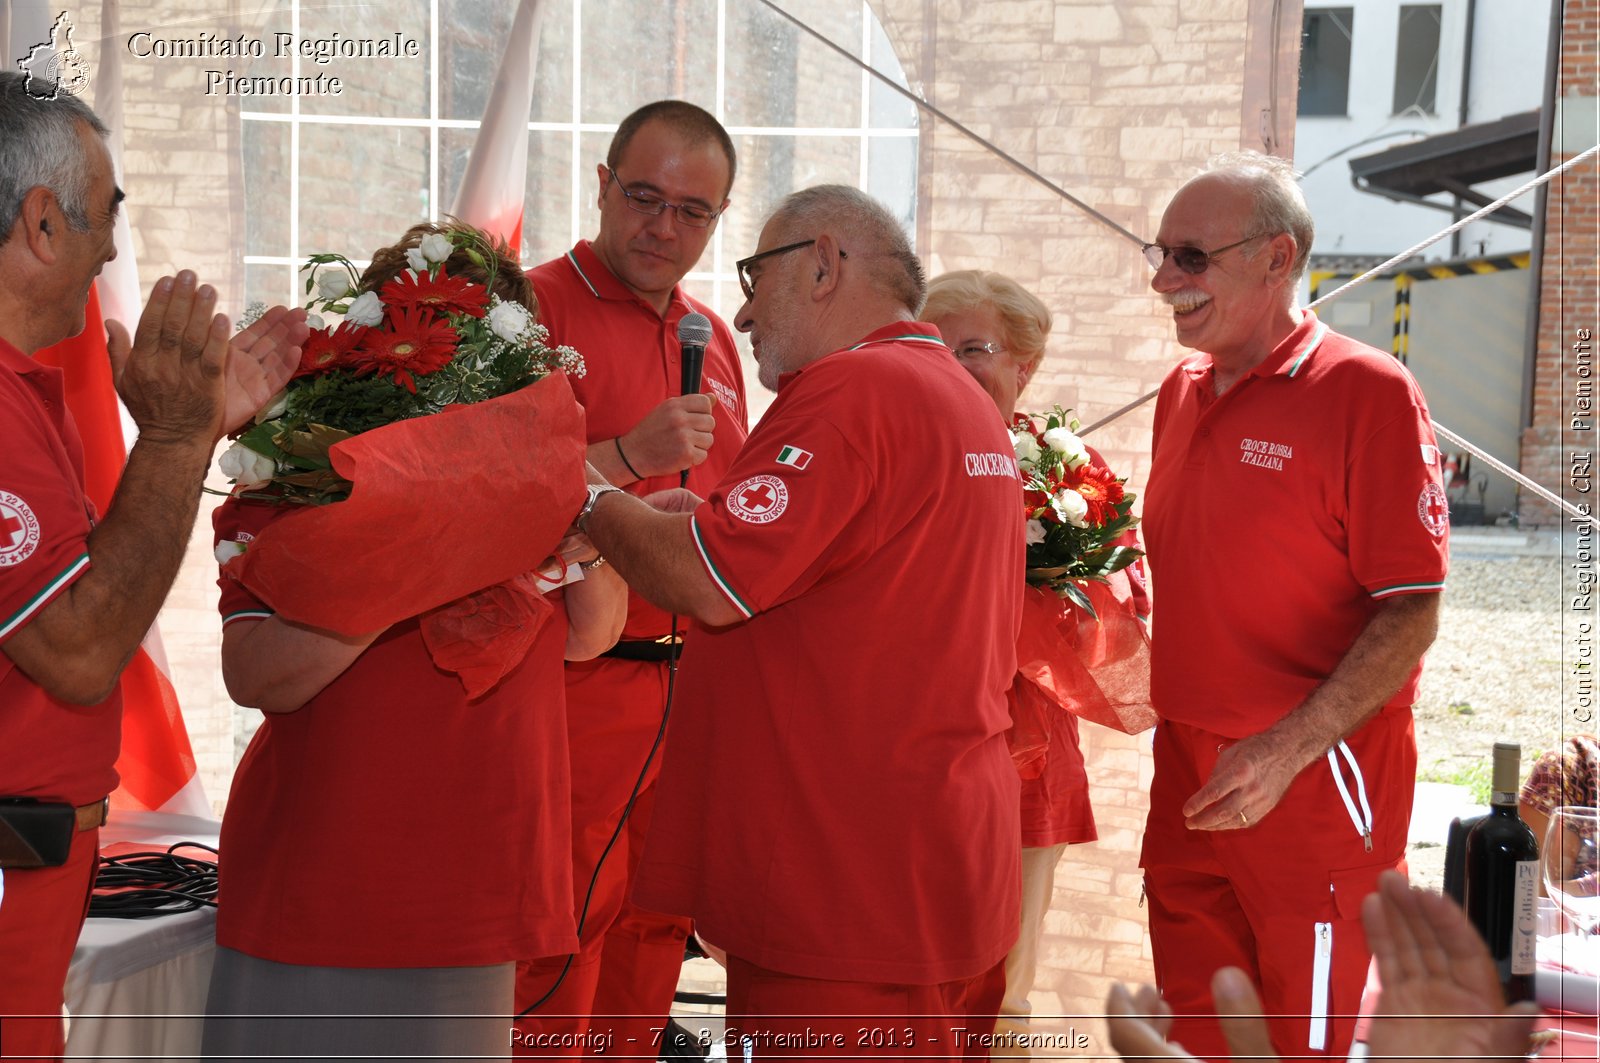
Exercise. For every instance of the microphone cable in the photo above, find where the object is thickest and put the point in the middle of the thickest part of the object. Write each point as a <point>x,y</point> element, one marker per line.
<point>622,821</point>
<point>144,885</point>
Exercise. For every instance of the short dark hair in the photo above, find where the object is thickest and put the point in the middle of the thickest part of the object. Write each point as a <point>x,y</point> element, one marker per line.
<point>695,124</point>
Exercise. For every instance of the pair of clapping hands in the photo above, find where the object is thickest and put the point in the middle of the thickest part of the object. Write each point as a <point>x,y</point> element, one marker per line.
<point>184,375</point>
<point>1441,997</point>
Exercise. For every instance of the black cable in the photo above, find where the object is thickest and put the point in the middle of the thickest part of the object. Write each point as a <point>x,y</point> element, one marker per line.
<point>144,885</point>
<point>594,879</point>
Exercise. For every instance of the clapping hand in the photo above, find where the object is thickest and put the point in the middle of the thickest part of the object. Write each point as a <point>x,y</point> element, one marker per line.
<point>1441,993</point>
<point>171,374</point>
<point>261,359</point>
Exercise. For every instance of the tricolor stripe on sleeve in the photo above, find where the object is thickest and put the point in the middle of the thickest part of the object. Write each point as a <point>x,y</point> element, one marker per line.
<point>44,597</point>
<point>248,614</point>
<point>1408,588</point>
<point>717,577</point>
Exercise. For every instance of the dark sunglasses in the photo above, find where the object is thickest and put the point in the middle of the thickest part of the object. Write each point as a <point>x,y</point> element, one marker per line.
<point>1191,260</point>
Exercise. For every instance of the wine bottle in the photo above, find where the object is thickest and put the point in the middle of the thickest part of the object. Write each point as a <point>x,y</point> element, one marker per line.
<point>1502,878</point>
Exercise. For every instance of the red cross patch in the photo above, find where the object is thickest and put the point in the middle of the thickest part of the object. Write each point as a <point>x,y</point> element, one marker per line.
<point>1433,509</point>
<point>759,500</point>
<point>19,530</point>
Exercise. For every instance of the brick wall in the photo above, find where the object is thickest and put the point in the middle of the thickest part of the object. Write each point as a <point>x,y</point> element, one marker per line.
<point>1571,278</point>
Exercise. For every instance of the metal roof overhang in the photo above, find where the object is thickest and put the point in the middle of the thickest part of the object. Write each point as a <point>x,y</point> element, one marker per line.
<point>1453,162</point>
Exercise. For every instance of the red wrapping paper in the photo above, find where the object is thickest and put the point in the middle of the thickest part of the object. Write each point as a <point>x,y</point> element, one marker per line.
<point>442,507</point>
<point>1095,667</point>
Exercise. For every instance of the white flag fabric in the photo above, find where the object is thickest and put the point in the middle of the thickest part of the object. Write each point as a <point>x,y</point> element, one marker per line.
<point>493,188</point>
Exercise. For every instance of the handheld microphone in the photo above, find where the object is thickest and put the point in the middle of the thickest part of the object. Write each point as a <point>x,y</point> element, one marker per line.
<point>694,332</point>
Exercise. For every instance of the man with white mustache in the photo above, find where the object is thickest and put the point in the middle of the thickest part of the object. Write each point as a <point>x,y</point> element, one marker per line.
<point>1297,531</point>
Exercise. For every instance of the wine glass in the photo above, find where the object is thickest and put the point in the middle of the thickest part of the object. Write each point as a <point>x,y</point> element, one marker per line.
<point>1571,865</point>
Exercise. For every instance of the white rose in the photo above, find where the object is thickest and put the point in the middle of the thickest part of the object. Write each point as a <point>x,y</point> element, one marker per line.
<point>1036,530</point>
<point>333,283</point>
<point>227,550</point>
<point>315,322</point>
<point>1027,448</point>
<point>367,309</point>
<point>246,467</point>
<point>274,407</point>
<point>509,320</point>
<point>436,248</point>
<point>415,260</point>
<point>1071,508</point>
<point>1067,444</point>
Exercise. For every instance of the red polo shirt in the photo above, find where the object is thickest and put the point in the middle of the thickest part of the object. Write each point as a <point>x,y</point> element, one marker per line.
<point>1278,515</point>
<point>391,822</point>
<point>49,749</point>
<point>837,800</point>
<point>634,364</point>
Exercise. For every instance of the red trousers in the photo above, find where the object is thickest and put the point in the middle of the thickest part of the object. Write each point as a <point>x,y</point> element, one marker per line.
<point>40,917</point>
<point>618,990</point>
<point>1282,898</point>
<point>778,1016</point>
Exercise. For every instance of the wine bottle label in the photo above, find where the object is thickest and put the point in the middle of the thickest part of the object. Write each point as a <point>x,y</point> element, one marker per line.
<point>1525,924</point>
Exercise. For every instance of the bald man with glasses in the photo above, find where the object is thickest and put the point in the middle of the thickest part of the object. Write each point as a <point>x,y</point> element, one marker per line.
<point>1297,532</point>
<point>619,299</point>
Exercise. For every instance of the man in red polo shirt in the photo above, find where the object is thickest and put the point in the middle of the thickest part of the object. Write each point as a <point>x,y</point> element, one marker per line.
<point>77,594</point>
<point>838,809</point>
<point>618,299</point>
<point>1296,529</point>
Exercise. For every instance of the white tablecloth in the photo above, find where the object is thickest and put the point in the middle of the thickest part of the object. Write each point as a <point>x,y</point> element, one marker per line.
<point>137,987</point>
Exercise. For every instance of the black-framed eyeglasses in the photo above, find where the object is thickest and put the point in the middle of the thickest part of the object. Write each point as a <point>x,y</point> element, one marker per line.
<point>1189,259</point>
<point>747,281</point>
<point>969,351</point>
<point>690,214</point>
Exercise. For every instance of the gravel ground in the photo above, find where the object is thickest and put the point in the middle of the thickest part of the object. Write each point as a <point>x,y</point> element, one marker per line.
<point>1494,674</point>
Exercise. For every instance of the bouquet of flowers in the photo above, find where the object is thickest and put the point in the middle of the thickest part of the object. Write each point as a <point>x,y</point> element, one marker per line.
<point>425,341</point>
<point>1076,508</point>
<point>430,451</point>
<point>1083,646</point>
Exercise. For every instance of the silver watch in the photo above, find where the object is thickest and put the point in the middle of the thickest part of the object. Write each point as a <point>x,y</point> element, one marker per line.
<point>595,491</point>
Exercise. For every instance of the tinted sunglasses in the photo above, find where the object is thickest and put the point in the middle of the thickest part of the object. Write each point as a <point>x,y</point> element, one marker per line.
<point>1190,259</point>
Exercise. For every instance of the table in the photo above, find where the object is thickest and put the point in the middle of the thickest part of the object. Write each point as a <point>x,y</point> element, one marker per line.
<point>137,987</point>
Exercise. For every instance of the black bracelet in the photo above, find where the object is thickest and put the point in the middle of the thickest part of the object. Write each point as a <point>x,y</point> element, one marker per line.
<point>626,463</point>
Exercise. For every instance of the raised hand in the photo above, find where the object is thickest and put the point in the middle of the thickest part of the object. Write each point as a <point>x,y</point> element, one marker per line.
<point>171,376</point>
<point>1441,996</point>
<point>672,437</point>
<point>261,359</point>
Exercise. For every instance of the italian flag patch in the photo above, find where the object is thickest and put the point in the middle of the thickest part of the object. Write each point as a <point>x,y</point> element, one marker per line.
<point>794,456</point>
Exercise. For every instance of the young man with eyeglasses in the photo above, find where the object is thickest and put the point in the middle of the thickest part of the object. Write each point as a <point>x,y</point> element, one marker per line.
<point>618,299</point>
<point>838,809</point>
<point>1297,533</point>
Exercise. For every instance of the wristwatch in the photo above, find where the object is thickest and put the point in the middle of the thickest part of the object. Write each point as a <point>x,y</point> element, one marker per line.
<point>595,491</point>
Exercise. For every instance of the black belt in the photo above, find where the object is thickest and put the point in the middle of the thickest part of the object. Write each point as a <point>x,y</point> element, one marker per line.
<point>660,649</point>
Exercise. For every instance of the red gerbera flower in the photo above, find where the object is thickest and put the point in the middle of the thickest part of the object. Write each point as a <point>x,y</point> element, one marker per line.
<point>443,294</point>
<point>414,342</point>
<point>1099,488</point>
<point>328,348</point>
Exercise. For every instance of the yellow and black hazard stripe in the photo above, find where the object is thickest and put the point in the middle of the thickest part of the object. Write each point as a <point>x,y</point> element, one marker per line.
<point>1400,342</point>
